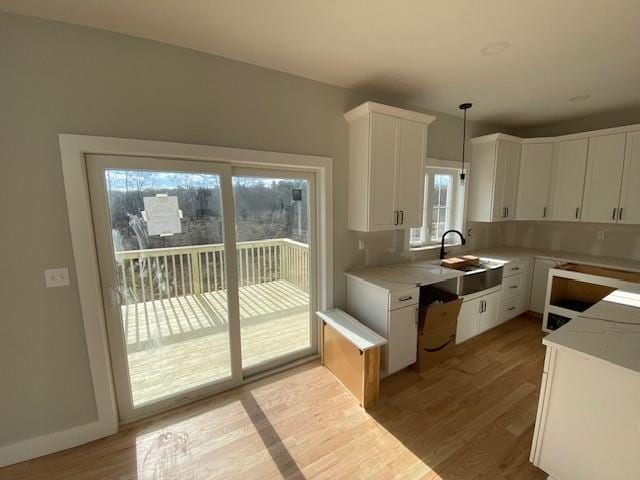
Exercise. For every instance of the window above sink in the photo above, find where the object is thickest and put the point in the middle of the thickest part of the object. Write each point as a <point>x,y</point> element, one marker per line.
<point>443,207</point>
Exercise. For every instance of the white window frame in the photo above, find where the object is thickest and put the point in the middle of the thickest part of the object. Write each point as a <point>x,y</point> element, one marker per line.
<point>458,203</point>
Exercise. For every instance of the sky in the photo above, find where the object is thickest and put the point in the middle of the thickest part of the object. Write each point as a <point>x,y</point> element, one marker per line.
<point>154,180</point>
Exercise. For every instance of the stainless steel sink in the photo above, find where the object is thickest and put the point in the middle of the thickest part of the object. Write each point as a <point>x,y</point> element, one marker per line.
<point>480,277</point>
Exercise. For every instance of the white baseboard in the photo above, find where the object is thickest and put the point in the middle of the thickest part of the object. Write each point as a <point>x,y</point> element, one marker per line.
<point>53,442</point>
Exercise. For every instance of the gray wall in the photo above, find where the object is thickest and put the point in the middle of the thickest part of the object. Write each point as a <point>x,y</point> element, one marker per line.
<point>62,78</point>
<point>617,118</point>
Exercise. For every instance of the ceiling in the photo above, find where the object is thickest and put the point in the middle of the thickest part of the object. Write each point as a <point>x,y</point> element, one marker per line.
<point>427,53</point>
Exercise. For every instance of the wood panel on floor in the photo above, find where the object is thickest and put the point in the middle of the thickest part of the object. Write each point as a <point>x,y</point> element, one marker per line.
<point>469,418</point>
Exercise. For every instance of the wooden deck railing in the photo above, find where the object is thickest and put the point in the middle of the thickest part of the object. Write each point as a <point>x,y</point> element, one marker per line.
<point>157,273</point>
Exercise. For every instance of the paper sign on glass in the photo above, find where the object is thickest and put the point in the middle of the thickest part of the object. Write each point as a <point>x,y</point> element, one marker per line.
<point>162,215</point>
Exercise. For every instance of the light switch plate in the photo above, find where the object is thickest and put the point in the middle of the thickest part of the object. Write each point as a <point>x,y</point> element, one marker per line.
<point>56,277</point>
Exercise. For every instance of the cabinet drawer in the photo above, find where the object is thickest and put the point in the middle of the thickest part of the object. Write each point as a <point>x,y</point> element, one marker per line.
<point>511,286</point>
<point>509,308</point>
<point>514,268</point>
<point>404,298</point>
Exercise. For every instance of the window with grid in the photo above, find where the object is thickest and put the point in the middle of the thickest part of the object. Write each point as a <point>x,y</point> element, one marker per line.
<point>442,199</point>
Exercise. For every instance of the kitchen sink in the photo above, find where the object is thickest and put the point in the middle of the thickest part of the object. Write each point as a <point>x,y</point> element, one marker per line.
<point>476,278</point>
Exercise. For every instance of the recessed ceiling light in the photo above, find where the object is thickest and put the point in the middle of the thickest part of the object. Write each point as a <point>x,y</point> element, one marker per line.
<point>494,48</point>
<point>580,98</point>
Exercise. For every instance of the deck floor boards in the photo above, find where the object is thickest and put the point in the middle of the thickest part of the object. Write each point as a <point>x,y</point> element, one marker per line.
<point>179,343</point>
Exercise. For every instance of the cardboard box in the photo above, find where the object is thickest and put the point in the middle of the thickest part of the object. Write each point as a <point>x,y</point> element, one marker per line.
<point>437,331</point>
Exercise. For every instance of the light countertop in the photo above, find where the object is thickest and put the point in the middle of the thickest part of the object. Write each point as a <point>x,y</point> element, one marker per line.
<point>403,276</point>
<point>609,330</point>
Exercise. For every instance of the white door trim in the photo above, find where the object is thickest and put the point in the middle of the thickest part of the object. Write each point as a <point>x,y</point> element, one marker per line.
<point>73,149</point>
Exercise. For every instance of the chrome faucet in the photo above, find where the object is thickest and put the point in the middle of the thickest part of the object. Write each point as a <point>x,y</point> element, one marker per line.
<point>442,252</point>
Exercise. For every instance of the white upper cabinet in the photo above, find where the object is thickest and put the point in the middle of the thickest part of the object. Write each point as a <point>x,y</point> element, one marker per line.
<point>387,150</point>
<point>630,195</point>
<point>411,155</point>
<point>569,179</point>
<point>534,186</point>
<point>382,167</point>
<point>581,177</point>
<point>495,165</point>
<point>509,159</point>
<point>604,178</point>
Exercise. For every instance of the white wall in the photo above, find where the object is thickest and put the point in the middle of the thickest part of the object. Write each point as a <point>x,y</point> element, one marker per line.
<point>57,78</point>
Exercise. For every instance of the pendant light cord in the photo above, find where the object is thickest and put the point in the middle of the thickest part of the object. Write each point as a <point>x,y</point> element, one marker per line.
<point>464,137</point>
<point>464,107</point>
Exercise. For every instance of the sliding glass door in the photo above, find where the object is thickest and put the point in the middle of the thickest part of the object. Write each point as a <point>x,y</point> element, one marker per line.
<point>164,230</point>
<point>189,309</point>
<point>275,247</point>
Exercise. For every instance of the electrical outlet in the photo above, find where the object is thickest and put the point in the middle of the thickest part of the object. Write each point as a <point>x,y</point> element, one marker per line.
<point>600,234</point>
<point>469,232</point>
<point>56,277</point>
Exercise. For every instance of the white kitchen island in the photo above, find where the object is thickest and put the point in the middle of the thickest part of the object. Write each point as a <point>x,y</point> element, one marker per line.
<point>588,420</point>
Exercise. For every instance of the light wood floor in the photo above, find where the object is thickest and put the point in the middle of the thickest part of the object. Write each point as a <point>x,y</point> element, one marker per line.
<point>183,342</point>
<point>471,418</point>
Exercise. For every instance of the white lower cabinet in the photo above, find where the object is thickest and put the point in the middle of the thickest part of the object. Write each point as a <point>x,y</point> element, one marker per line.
<point>539,285</point>
<point>393,315</point>
<point>477,315</point>
<point>587,424</point>
<point>403,334</point>
<point>489,315</point>
<point>468,320</point>
<point>516,289</point>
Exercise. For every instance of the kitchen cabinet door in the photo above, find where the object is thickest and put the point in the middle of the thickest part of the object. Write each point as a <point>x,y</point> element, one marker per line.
<point>489,312</point>
<point>539,284</point>
<point>603,179</point>
<point>411,157</point>
<point>468,320</point>
<point>630,196</point>
<point>403,338</point>
<point>527,279</point>
<point>509,156</point>
<point>569,177</point>
<point>534,190</point>
<point>481,183</point>
<point>382,194</point>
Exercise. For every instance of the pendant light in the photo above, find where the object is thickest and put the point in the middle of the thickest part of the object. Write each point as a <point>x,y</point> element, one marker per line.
<point>464,107</point>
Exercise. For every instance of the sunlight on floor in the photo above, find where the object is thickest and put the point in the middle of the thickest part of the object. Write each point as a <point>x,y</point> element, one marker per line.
<point>269,433</point>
